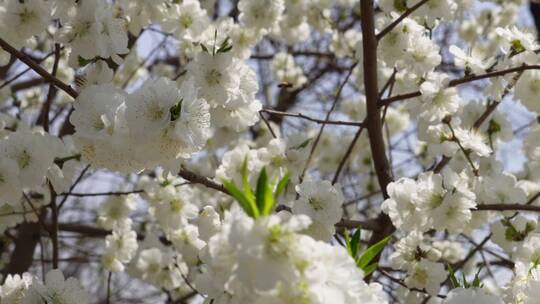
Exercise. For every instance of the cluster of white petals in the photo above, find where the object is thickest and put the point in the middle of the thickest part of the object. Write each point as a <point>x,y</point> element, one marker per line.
<point>26,289</point>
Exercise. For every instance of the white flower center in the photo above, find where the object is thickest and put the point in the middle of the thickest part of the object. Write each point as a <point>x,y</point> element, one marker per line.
<point>316,204</point>
<point>186,21</point>
<point>213,77</point>
<point>24,159</point>
<point>154,111</point>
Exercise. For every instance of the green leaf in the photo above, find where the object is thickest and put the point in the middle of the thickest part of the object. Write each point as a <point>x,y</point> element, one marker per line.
<point>304,144</point>
<point>370,254</point>
<point>516,48</point>
<point>476,282</point>
<point>204,48</point>
<point>453,279</point>
<point>248,205</point>
<point>400,5</point>
<point>348,243</point>
<point>225,46</point>
<point>282,185</point>
<point>465,283</point>
<point>355,243</point>
<point>215,40</point>
<point>370,269</point>
<point>83,61</point>
<point>245,181</point>
<point>225,42</point>
<point>494,127</point>
<point>513,234</point>
<point>225,50</point>
<point>263,194</point>
<point>176,110</point>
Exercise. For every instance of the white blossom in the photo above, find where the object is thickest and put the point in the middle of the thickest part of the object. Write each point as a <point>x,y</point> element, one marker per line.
<point>56,289</point>
<point>322,203</point>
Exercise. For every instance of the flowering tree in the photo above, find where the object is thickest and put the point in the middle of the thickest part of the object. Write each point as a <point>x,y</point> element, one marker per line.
<point>269,151</point>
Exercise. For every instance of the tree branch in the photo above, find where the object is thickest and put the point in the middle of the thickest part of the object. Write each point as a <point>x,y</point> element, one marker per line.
<point>460,81</point>
<point>43,118</point>
<point>396,22</point>
<point>38,69</point>
<point>319,121</point>
<point>373,118</point>
<point>328,114</point>
<point>197,179</point>
<point>507,207</point>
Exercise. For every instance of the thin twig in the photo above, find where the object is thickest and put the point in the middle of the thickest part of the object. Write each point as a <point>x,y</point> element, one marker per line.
<point>507,207</point>
<point>77,181</point>
<point>327,118</point>
<point>197,179</point>
<point>460,81</point>
<point>319,121</point>
<point>267,123</point>
<point>12,79</point>
<point>347,154</point>
<point>108,300</point>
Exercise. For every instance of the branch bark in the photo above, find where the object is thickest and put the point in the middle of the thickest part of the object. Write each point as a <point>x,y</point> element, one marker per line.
<point>23,253</point>
<point>319,121</point>
<point>43,118</point>
<point>197,179</point>
<point>460,81</point>
<point>395,23</point>
<point>507,207</point>
<point>373,119</point>
<point>38,69</point>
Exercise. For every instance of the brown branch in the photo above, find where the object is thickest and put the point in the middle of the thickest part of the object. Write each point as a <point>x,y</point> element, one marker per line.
<point>461,263</point>
<point>347,154</point>
<point>43,118</point>
<point>533,198</point>
<point>478,123</point>
<point>77,181</point>
<point>471,78</point>
<point>17,76</point>
<point>38,69</point>
<point>396,22</point>
<point>267,124</point>
<point>372,224</point>
<point>288,98</point>
<point>27,84</point>
<point>54,227</point>
<point>373,118</point>
<point>112,193</point>
<point>491,108</point>
<point>507,207</point>
<point>294,53</point>
<point>460,81</point>
<point>89,231</point>
<point>144,62</point>
<point>319,121</point>
<point>390,100</point>
<point>197,179</point>
<point>23,253</point>
<point>328,114</point>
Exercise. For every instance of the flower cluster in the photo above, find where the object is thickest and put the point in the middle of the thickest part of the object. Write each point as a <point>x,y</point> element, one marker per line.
<point>27,289</point>
<point>297,268</point>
